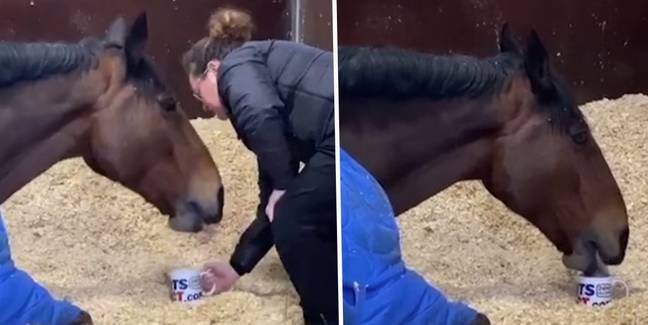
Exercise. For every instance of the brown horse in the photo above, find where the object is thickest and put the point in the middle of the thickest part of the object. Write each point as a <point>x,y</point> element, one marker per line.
<point>421,122</point>
<point>102,100</point>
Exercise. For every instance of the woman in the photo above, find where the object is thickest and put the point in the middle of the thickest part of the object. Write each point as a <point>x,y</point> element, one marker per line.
<point>24,301</point>
<point>377,286</point>
<point>279,98</point>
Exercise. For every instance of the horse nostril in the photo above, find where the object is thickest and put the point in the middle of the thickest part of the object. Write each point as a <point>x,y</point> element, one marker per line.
<point>196,208</point>
<point>623,238</point>
<point>221,201</point>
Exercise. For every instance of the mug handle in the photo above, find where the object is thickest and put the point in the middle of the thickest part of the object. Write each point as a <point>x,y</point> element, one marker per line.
<point>625,286</point>
<point>213,288</point>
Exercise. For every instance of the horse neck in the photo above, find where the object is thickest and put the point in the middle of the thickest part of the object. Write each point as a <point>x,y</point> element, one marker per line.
<point>424,149</point>
<point>43,123</point>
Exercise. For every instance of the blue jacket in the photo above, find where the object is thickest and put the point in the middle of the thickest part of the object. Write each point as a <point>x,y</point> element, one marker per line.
<point>22,300</point>
<point>377,286</point>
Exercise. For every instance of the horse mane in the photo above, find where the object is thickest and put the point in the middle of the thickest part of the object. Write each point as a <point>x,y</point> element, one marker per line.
<point>399,73</point>
<point>32,61</point>
<point>393,73</point>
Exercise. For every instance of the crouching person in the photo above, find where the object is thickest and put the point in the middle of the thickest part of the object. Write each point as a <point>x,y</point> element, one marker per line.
<point>23,301</point>
<point>377,286</point>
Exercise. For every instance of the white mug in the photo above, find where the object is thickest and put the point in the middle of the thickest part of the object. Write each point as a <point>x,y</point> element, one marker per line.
<point>185,285</point>
<point>598,291</point>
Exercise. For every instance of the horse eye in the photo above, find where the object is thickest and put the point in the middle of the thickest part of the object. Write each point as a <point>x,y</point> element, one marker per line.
<point>580,137</point>
<point>167,103</point>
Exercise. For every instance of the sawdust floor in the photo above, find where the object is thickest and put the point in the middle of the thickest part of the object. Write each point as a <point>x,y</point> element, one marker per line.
<point>469,245</point>
<point>105,248</point>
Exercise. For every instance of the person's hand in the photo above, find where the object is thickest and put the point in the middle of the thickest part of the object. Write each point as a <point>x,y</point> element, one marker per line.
<point>272,201</point>
<point>217,277</point>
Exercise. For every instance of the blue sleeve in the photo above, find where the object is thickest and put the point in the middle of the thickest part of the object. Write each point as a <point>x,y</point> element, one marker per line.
<point>23,300</point>
<point>372,262</point>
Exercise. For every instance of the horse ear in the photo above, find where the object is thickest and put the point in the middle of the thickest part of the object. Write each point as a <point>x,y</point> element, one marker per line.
<point>116,35</point>
<point>136,39</point>
<point>536,63</point>
<point>507,43</point>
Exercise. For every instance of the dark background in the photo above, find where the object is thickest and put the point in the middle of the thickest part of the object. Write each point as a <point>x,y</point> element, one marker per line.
<point>317,19</point>
<point>173,26</point>
<point>599,46</point>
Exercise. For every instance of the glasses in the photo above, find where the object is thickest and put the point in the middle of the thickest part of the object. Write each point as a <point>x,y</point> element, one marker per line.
<point>196,93</point>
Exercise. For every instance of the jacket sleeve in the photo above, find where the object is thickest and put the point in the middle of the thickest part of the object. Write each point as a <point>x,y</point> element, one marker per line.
<point>25,301</point>
<point>370,237</point>
<point>255,106</point>
<point>257,239</point>
<point>253,245</point>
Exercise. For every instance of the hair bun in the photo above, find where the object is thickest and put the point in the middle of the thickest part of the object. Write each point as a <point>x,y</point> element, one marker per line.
<point>231,24</point>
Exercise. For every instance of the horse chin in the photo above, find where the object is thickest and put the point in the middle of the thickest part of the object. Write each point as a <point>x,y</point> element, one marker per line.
<point>587,260</point>
<point>186,222</point>
<point>577,262</point>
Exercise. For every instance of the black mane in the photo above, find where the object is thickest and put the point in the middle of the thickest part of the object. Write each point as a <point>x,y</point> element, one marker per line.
<point>393,73</point>
<point>32,61</point>
<point>398,73</point>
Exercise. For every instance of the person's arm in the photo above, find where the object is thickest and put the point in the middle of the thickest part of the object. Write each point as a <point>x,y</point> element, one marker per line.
<point>253,245</point>
<point>25,301</point>
<point>255,107</point>
<point>257,240</point>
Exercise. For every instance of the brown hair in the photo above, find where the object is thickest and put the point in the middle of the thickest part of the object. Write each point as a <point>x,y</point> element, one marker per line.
<point>228,29</point>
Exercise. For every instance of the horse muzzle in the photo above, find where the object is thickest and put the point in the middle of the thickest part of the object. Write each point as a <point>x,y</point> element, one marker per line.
<point>192,216</point>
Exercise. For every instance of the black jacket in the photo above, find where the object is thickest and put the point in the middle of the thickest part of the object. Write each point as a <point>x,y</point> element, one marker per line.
<point>280,100</point>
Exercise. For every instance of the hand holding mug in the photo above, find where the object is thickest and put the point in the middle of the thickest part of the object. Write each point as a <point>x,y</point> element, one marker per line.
<point>218,277</point>
<point>185,285</point>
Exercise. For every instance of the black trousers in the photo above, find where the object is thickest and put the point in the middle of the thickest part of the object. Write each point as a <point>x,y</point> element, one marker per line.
<point>304,230</point>
<point>305,235</point>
